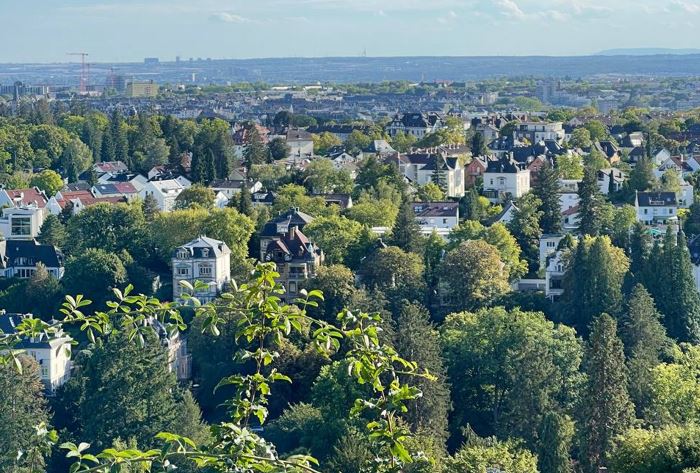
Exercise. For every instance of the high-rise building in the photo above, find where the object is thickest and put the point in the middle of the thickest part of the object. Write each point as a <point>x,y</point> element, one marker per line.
<point>136,89</point>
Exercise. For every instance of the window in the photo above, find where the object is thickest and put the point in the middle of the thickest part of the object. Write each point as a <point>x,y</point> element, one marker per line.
<point>182,254</point>
<point>205,252</point>
<point>44,372</point>
<point>292,287</point>
<point>21,226</point>
<point>646,211</point>
<point>551,244</point>
<point>205,270</point>
<point>183,271</point>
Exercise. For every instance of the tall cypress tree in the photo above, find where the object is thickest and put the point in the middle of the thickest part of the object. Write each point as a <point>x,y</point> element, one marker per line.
<point>469,207</point>
<point>525,227</point>
<point>108,153</point>
<point>119,137</point>
<point>645,342</point>
<point>209,167</point>
<point>245,201</point>
<point>589,203</point>
<point>547,190</point>
<point>556,438</point>
<point>415,341</point>
<point>406,232</point>
<point>640,242</point>
<point>681,304</point>
<point>606,408</point>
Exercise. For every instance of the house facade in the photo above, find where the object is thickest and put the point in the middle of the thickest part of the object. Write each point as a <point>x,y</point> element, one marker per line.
<point>505,180</point>
<point>440,217</point>
<point>205,260</point>
<point>656,208</point>
<point>416,124</point>
<point>21,258</point>
<point>164,192</point>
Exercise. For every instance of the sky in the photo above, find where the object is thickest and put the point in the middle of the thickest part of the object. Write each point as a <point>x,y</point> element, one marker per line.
<point>129,30</point>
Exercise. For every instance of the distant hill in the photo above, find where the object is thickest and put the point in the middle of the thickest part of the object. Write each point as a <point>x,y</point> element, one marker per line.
<point>647,52</point>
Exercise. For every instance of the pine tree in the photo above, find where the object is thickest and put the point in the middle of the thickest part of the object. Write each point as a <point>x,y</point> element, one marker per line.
<point>642,176</point>
<point>245,201</point>
<point>255,151</point>
<point>438,176</point>
<point>119,138</point>
<point>415,341</point>
<point>589,203</point>
<point>433,252</point>
<point>640,242</point>
<point>680,301</point>
<point>108,152</point>
<point>478,145</point>
<point>645,342</point>
<point>52,232</point>
<point>547,190</point>
<point>606,407</point>
<point>150,207</point>
<point>406,232</point>
<point>556,438</point>
<point>209,167</point>
<point>23,408</point>
<point>469,207</point>
<point>525,227</point>
<point>611,183</point>
<point>197,171</point>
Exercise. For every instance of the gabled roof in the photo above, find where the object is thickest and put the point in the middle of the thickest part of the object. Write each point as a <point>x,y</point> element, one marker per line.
<point>30,196</point>
<point>289,219</point>
<point>47,255</point>
<point>504,166</point>
<point>436,209</point>
<point>216,248</point>
<point>9,324</point>
<point>297,134</point>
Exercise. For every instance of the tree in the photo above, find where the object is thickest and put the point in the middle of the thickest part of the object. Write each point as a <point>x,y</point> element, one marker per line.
<point>150,208</point>
<point>127,392</point>
<point>606,408</point>
<point>395,272</point>
<point>255,151</point>
<point>430,192</point>
<point>469,206</point>
<point>478,145</point>
<point>245,201</point>
<point>321,177</point>
<point>338,286</point>
<point>402,142</point>
<point>52,232</point>
<point>547,190</point>
<point>357,142</point>
<point>334,235</point>
<point>415,339</point>
<point>324,142</point>
<point>278,149</point>
<point>672,449</point>
<point>671,181</point>
<point>674,389</point>
<point>593,282</point>
<point>691,225</point>
<point>556,438</point>
<point>406,233</point>
<point>94,273</point>
<point>597,129</point>
<point>292,196</point>
<point>47,181</point>
<point>491,456</point>
<point>109,227</point>
<point>508,369</point>
<point>580,138</point>
<point>76,158</point>
<point>645,343</point>
<point>119,137</point>
<point>196,195</point>
<point>474,275</point>
<point>569,166</point>
<point>642,176</point>
<point>372,212</point>
<point>24,409</point>
<point>525,227</point>
<point>589,203</point>
<point>156,153</point>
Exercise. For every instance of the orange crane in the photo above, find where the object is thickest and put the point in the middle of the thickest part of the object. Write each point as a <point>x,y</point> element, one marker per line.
<point>84,71</point>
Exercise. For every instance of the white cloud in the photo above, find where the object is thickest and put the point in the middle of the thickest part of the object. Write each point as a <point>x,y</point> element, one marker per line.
<point>509,9</point>
<point>228,17</point>
<point>448,18</point>
<point>685,6</point>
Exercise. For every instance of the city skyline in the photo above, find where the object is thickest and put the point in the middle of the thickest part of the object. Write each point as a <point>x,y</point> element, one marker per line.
<point>129,30</point>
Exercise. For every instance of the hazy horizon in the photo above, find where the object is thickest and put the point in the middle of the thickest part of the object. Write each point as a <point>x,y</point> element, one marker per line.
<point>129,30</point>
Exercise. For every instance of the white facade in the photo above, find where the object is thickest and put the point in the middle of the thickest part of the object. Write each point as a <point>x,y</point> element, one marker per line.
<point>165,192</point>
<point>554,276</point>
<point>502,186</point>
<point>548,246</point>
<point>205,260</point>
<point>540,131</point>
<point>22,223</point>
<point>440,217</point>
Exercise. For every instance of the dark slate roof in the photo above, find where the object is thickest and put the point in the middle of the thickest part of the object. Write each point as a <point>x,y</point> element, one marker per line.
<point>226,184</point>
<point>343,200</point>
<point>504,166</point>
<point>264,197</point>
<point>656,199</point>
<point>47,255</point>
<point>418,119</point>
<point>297,134</point>
<point>194,248</point>
<point>295,246</point>
<point>9,323</point>
<point>291,218</point>
<point>436,209</point>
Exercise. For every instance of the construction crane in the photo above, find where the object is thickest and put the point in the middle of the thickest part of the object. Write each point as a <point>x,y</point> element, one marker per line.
<point>84,71</point>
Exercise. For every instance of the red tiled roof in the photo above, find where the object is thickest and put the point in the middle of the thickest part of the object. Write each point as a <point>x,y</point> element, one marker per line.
<point>27,197</point>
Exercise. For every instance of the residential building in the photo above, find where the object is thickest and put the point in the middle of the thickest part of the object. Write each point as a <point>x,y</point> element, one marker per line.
<point>164,192</point>
<point>656,208</point>
<point>505,179</point>
<point>300,142</point>
<point>205,260</point>
<point>539,131</point>
<point>141,89</point>
<point>52,354</point>
<point>423,168</point>
<point>611,174</point>
<point>22,197</point>
<point>554,275</point>
<point>415,124</point>
<point>440,217</point>
<point>21,258</point>
<point>548,246</point>
<point>23,222</point>
<point>282,242</point>
<point>231,187</point>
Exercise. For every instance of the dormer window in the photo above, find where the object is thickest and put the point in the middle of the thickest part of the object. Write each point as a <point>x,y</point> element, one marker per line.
<point>205,252</point>
<point>182,254</point>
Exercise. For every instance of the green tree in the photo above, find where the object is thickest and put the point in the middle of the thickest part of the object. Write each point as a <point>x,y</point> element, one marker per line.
<point>670,181</point>
<point>245,201</point>
<point>642,176</point>
<point>590,202</point>
<point>645,343</point>
<point>525,227</point>
<point>150,208</point>
<point>322,177</point>
<point>406,233</point>
<point>569,166</point>
<point>294,196</point>
<point>109,227</point>
<point>357,142</point>
<point>52,232</point>
<point>395,272</point>
<point>606,408</point>
<point>674,389</point>
<point>415,339</point>
<point>324,142</point>
<point>492,456</point>
<point>597,129</point>
<point>373,212</point>
<point>508,369</point>
<point>580,138</point>
<point>24,409</point>
<point>94,273</point>
<point>76,158</point>
<point>547,190</point>
<point>469,206</point>
<point>338,286</point>
<point>278,149</point>
<point>556,439</point>
<point>47,181</point>
<point>478,145</point>
<point>474,275</point>
<point>403,142</point>
<point>196,195</point>
<point>334,235</point>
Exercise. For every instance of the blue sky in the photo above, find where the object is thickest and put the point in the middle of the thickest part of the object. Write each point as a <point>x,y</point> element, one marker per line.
<point>123,30</point>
